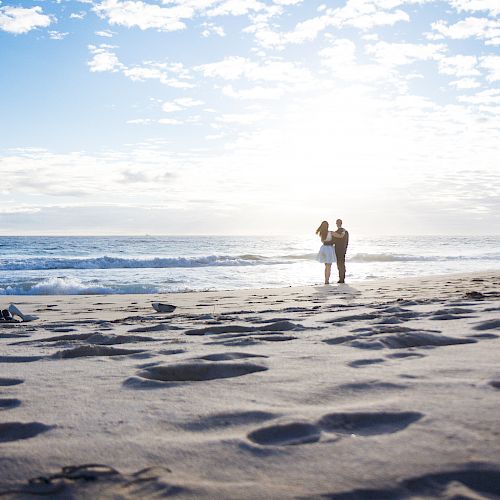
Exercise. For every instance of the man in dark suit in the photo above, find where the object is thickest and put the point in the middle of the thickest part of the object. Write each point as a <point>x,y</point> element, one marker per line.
<point>341,249</point>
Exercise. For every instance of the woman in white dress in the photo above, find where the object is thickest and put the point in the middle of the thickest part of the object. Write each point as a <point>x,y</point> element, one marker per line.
<point>326,253</point>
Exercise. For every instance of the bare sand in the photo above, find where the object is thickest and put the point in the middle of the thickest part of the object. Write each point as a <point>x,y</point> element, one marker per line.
<point>367,390</point>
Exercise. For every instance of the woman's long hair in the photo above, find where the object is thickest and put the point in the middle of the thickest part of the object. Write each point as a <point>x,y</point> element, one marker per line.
<point>323,230</point>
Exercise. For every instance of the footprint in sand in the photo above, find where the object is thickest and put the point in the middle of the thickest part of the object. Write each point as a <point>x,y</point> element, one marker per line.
<point>230,356</point>
<point>483,336</point>
<point>94,350</point>
<point>278,326</point>
<point>495,384</point>
<point>228,419</point>
<point>237,342</point>
<point>13,335</point>
<point>93,338</point>
<point>405,355</point>
<point>10,381</point>
<point>276,338</point>
<point>8,403</point>
<point>19,359</point>
<point>197,372</point>
<point>286,434</point>
<point>368,423</point>
<point>14,431</point>
<point>398,340</point>
<point>370,386</point>
<point>154,328</point>
<point>492,324</point>
<point>470,482</point>
<point>365,362</point>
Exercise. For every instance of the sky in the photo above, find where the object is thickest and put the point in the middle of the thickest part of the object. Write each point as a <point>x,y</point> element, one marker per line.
<point>249,116</point>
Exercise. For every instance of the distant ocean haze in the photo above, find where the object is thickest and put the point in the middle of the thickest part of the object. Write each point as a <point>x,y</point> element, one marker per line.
<point>115,265</point>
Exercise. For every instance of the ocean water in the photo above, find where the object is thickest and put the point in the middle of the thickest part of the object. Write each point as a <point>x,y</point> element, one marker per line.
<point>151,264</point>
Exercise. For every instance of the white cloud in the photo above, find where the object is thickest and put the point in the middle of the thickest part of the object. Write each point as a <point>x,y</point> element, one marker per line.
<point>341,53</point>
<point>466,83</point>
<point>360,14</point>
<point>139,121</point>
<point>492,65</point>
<point>477,5</point>
<point>236,8</point>
<point>242,118</point>
<point>20,20</point>
<point>173,75</point>
<point>171,107</point>
<point>188,102</point>
<point>254,92</point>
<point>470,27</point>
<point>78,15</point>
<point>397,54</point>
<point>287,2</point>
<point>135,13</point>
<point>490,96</point>
<point>169,121</point>
<point>212,29</point>
<point>105,33</point>
<point>104,59</point>
<point>180,104</point>
<point>236,67</point>
<point>459,66</point>
<point>57,35</point>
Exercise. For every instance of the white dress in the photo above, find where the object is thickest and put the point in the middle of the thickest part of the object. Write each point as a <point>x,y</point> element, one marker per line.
<point>326,254</point>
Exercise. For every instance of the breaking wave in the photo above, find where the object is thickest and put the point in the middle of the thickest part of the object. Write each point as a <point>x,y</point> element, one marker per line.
<point>106,262</point>
<point>37,263</point>
<point>75,286</point>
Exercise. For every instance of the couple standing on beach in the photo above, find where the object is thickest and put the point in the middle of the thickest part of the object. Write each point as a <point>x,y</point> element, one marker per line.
<point>338,239</point>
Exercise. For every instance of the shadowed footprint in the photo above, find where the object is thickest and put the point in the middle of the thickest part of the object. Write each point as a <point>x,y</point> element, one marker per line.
<point>468,483</point>
<point>154,328</point>
<point>10,381</point>
<point>94,350</point>
<point>403,355</point>
<point>368,423</point>
<point>495,384</point>
<point>401,340</point>
<point>492,324</point>
<point>365,362</point>
<point>229,356</point>
<point>276,338</point>
<point>184,372</point>
<point>93,338</point>
<point>483,336</point>
<point>278,326</point>
<point>223,420</point>
<point>13,335</point>
<point>286,434</point>
<point>8,403</point>
<point>19,359</point>
<point>370,386</point>
<point>14,431</point>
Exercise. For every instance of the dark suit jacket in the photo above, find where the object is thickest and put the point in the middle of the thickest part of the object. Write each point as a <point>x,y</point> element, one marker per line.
<point>341,244</point>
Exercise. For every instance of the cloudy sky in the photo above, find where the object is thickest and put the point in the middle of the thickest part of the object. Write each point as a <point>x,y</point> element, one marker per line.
<point>249,116</point>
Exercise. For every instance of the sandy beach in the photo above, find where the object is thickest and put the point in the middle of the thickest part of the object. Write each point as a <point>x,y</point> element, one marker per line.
<point>387,389</point>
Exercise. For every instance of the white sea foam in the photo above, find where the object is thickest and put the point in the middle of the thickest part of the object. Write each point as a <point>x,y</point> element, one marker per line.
<point>75,286</point>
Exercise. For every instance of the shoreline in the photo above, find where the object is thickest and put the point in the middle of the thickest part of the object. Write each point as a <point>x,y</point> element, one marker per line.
<point>361,284</point>
<point>388,386</point>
